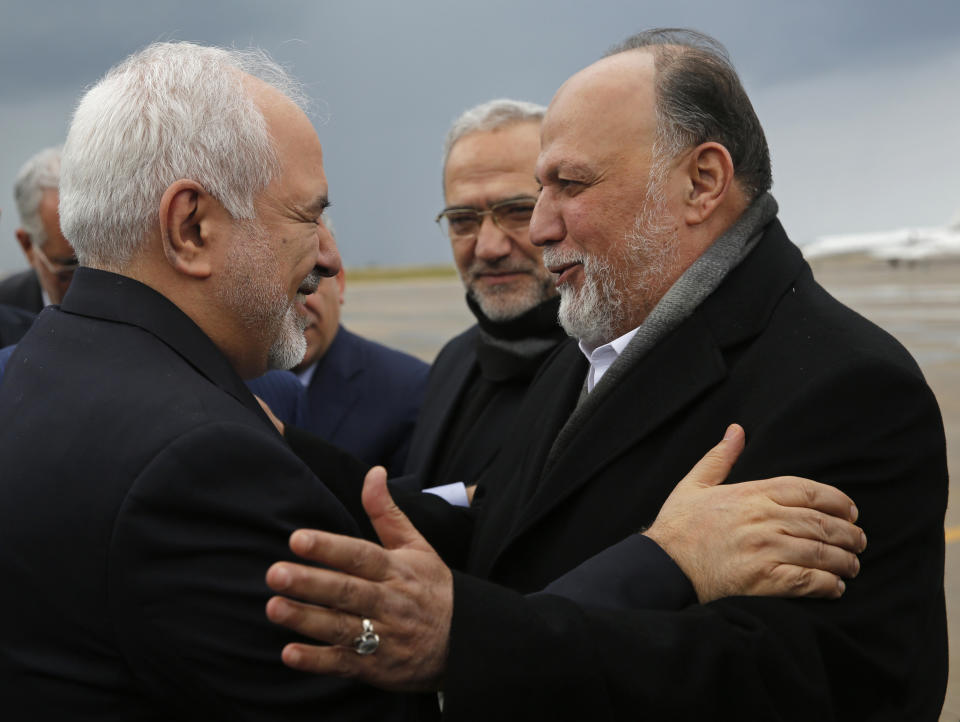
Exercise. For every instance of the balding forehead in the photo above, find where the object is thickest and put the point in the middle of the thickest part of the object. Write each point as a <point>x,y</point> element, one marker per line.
<point>615,94</point>
<point>623,73</point>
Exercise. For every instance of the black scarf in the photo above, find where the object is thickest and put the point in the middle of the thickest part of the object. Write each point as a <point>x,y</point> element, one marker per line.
<point>515,348</point>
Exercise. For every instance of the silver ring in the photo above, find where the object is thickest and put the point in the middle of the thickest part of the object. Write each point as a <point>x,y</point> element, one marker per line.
<point>368,641</point>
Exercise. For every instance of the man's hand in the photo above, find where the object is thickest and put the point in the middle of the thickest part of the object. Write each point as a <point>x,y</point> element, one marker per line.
<point>785,537</point>
<point>403,588</point>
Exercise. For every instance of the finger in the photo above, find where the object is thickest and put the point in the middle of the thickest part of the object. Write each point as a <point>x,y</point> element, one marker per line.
<point>790,581</point>
<point>332,661</point>
<point>324,625</point>
<point>816,555</point>
<point>392,525</point>
<point>797,491</point>
<point>324,586</point>
<point>819,526</point>
<point>354,556</point>
<point>715,466</point>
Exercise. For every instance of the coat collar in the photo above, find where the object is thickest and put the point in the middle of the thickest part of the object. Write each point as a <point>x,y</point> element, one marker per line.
<point>112,297</point>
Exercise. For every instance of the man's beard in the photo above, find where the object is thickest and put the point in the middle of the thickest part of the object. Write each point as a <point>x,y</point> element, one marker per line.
<point>251,289</point>
<point>503,302</point>
<point>630,273</point>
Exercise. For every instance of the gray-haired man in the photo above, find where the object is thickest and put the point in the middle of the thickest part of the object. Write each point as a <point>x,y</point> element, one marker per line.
<point>479,378</point>
<point>49,254</point>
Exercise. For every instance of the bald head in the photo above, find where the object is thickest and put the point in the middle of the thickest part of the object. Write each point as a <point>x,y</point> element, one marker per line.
<point>607,110</point>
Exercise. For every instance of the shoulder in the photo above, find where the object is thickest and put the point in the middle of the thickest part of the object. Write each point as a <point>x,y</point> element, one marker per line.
<point>21,289</point>
<point>21,279</point>
<point>14,323</point>
<point>816,327</point>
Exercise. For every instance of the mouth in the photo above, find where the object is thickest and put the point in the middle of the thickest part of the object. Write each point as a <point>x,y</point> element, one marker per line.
<point>565,271</point>
<point>495,277</point>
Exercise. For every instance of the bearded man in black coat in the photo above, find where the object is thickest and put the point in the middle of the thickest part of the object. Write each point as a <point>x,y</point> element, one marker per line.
<point>691,309</point>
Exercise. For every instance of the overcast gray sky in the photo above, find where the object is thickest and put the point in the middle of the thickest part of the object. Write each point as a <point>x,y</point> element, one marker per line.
<point>859,98</point>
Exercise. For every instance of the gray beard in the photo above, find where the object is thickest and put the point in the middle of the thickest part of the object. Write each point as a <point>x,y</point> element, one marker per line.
<point>504,304</point>
<point>290,346</point>
<point>259,302</point>
<point>632,273</point>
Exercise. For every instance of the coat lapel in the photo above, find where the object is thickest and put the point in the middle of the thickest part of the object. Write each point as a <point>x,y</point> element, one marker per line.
<point>672,375</point>
<point>442,396</point>
<point>335,388</point>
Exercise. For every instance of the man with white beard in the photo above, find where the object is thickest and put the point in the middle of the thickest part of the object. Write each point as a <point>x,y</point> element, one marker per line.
<point>692,310</point>
<point>144,492</point>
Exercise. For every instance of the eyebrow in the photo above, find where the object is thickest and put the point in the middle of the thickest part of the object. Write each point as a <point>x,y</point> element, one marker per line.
<point>578,171</point>
<point>518,197</point>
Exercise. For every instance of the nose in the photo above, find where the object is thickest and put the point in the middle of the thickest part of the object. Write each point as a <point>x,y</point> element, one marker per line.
<point>328,255</point>
<point>492,241</point>
<point>546,224</point>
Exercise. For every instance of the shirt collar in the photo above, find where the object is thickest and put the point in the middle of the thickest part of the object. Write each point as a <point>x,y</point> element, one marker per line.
<point>602,357</point>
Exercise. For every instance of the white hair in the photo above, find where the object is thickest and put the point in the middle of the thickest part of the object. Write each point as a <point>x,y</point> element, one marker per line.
<point>488,116</point>
<point>171,111</point>
<point>40,173</point>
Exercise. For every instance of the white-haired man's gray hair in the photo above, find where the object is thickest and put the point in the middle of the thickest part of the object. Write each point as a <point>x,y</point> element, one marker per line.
<point>489,116</point>
<point>170,111</point>
<point>40,173</point>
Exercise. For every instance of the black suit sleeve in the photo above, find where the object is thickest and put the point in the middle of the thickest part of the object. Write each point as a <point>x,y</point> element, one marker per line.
<point>189,551</point>
<point>871,428</point>
<point>634,574</point>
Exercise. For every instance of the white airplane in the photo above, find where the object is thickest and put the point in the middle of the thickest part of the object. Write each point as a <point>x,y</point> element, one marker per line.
<point>906,245</point>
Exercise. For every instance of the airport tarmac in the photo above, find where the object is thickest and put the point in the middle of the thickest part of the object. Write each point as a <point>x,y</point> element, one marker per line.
<point>919,305</point>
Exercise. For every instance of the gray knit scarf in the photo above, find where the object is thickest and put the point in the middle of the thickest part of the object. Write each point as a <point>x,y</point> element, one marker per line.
<point>685,295</point>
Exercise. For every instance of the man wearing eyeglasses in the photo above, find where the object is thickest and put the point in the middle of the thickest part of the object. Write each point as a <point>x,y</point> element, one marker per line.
<point>692,309</point>
<point>479,378</point>
<point>49,254</point>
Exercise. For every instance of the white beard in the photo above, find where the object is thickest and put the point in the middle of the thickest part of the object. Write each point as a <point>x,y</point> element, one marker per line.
<point>290,346</point>
<point>251,291</point>
<point>629,274</point>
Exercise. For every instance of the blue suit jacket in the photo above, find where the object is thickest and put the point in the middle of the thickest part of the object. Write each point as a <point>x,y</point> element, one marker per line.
<point>363,398</point>
<point>283,393</point>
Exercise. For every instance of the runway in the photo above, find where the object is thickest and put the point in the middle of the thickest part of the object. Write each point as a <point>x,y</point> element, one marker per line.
<point>920,306</point>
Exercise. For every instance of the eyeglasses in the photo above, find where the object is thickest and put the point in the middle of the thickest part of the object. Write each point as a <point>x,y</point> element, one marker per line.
<point>61,269</point>
<point>463,223</point>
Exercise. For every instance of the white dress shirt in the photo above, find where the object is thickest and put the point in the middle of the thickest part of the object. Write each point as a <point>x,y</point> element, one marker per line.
<point>602,357</point>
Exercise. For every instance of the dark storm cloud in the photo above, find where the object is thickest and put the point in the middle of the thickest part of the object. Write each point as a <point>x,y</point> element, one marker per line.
<point>388,78</point>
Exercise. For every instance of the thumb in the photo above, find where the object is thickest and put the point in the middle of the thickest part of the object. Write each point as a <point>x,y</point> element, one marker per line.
<point>392,525</point>
<point>715,466</point>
